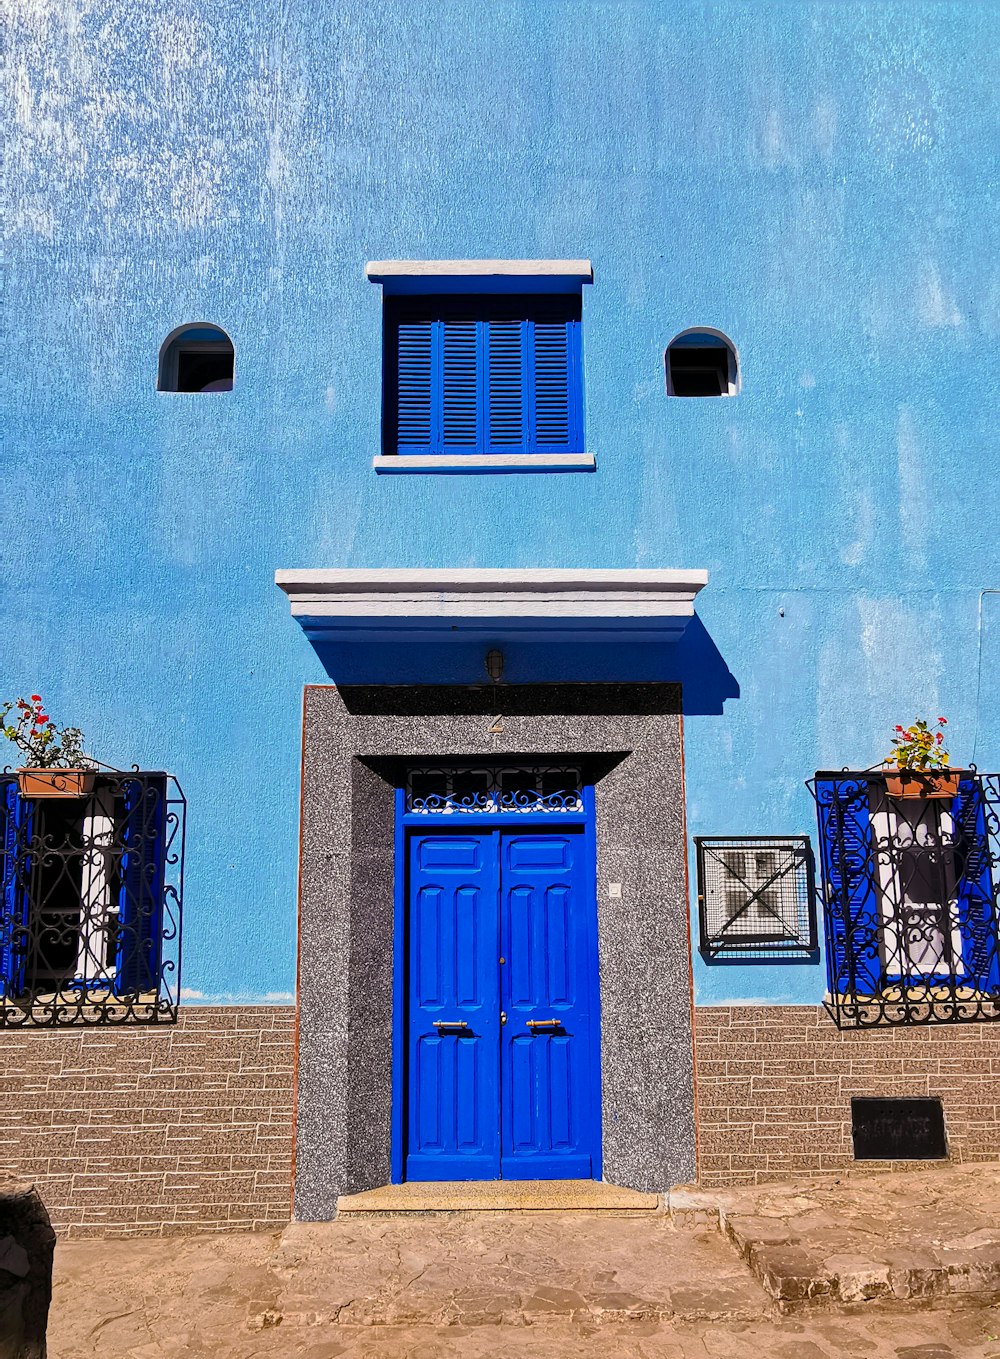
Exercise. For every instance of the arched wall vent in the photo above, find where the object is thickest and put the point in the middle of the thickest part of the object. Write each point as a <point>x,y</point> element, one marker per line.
<point>196,358</point>
<point>702,362</point>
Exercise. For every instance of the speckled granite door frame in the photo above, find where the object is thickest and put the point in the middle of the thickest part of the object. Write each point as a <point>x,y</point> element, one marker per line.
<point>357,741</point>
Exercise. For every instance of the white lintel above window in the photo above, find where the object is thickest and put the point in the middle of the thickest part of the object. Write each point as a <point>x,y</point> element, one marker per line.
<point>481,276</point>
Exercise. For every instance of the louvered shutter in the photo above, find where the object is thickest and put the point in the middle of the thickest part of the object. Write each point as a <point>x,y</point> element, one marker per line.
<point>489,374</point>
<point>140,899</point>
<point>505,352</point>
<point>17,815</point>
<point>460,383</point>
<point>553,400</point>
<point>974,906</point>
<point>412,372</point>
<point>848,865</point>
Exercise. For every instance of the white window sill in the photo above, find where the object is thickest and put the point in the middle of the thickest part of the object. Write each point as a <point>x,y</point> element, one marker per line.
<point>486,462</point>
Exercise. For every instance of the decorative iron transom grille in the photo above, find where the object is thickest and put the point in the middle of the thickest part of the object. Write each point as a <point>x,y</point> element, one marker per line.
<point>460,790</point>
<point>910,894</point>
<point>91,905</point>
<point>755,896</point>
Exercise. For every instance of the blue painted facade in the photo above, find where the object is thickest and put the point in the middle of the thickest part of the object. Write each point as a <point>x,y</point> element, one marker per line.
<point>816,181</point>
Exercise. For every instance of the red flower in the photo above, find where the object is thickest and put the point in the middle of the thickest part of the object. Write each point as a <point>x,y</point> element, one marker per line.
<point>940,738</point>
<point>36,698</point>
<point>898,727</point>
<point>943,721</point>
<point>43,717</point>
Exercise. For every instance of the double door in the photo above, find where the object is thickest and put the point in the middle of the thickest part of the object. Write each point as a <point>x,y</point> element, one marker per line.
<point>502,1043</point>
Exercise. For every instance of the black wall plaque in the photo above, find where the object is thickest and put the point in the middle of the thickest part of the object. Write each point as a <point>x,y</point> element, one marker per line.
<point>898,1130</point>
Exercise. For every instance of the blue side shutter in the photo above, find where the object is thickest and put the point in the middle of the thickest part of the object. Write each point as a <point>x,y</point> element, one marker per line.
<point>140,897</point>
<point>409,409</point>
<point>553,423</point>
<point>18,817</point>
<point>975,902</point>
<point>850,894</point>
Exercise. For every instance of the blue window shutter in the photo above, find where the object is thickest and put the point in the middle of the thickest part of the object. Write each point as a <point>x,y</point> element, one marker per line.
<point>461,380</point>
<point>413,383</point>
<point>140,897</point>
<point>850,901</point>
<point>506,384</point>
<point>478,374</point>
<point>18,816</point>
<point>553,417</point>
<point>975,907</point>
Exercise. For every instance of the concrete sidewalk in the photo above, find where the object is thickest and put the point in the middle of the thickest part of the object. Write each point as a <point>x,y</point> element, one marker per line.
<point>555,1284</point>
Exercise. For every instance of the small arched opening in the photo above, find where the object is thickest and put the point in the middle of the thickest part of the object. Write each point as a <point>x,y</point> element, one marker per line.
<point>702,362</point>
<point>196,358</point>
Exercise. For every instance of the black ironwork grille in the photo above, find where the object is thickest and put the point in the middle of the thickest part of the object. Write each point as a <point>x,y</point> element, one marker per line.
<point>909,888</point>
<point>756,897</point>
<point>90,910</point>
<point>464,789</point>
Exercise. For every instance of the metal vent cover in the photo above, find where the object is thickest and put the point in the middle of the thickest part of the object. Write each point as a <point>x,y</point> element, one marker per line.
<point>756,896</point>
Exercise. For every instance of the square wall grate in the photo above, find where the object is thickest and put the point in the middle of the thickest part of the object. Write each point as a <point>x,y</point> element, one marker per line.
<point>756,897</point>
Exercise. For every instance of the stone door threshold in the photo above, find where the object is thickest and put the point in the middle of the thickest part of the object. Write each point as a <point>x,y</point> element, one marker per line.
<point>501,1196</point>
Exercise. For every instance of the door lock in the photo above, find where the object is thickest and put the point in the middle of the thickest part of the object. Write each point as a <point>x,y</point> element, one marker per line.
<point>503,1016</point>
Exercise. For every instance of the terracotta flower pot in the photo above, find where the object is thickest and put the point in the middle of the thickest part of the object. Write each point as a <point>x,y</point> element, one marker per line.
<point>934,783</point>
<point>55,782</point>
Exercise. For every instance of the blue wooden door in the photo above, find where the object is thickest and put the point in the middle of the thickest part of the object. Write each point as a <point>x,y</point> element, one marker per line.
<point>549,1071</point>
<point>502,1066</point>
<point>453,1116</point>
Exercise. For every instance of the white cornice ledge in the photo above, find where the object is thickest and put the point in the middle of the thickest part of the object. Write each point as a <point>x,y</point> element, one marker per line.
<point>390,599</point>
<point>378,269</point>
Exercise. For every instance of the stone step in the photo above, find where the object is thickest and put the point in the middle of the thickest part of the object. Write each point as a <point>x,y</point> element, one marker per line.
<point>920,1236</point>
<point>500,1196</point>
<point>517,1269</point>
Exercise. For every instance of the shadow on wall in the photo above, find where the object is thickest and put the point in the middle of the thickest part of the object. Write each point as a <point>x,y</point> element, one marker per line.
<point>698,665</point>
<point>694,661</point>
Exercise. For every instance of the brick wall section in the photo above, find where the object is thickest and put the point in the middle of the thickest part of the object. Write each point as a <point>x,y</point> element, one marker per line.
<point>774,1087</point>
<point>144,1131</point>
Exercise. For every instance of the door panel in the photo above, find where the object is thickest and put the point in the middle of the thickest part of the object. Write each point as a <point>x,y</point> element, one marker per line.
<point>454,1088</point>
<point>548,1073</point>
<point>501,921</point>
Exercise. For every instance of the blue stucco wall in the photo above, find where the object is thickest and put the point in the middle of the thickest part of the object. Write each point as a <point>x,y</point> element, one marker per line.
<point>818,181</point>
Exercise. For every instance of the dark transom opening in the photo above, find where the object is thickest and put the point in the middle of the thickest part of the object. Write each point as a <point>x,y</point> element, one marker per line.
<point>699,371</point>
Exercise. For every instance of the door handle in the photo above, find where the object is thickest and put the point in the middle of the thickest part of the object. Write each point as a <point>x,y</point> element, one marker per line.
<point>544,1023</point>
<point>450,1024</point>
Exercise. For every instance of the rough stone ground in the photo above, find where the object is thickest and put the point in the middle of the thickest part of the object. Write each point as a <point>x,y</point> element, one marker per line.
<point>925,1234</point>
<point>525,1286</point>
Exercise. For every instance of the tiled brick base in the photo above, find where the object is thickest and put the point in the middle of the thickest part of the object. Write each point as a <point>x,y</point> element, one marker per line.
<point>775,1084</point>
<point>141,1131</point>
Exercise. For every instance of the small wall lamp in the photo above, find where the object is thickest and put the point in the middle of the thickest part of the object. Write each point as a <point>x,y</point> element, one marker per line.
<point>494,665</point>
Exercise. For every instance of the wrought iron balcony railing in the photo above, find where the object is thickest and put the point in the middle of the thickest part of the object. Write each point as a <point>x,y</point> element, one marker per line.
<point>90,910</point>
<point>909,888</point>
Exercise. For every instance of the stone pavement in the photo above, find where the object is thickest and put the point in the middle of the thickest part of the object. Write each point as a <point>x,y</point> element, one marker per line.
<point>511,1286</point>
<point>858,1239</point>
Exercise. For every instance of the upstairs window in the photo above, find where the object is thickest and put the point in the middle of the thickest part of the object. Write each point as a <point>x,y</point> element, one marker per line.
<point>702,363</point>
<point>196,358</point>
<point>483,374</point>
